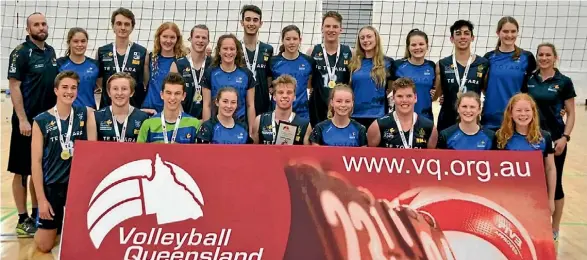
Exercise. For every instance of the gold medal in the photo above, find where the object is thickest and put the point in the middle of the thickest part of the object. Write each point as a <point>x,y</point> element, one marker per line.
<point>65,155</point>
<point>331,84</point>
<point>198,97</point>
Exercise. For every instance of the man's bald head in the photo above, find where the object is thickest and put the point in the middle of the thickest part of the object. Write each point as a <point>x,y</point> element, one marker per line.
<point>36,26</point>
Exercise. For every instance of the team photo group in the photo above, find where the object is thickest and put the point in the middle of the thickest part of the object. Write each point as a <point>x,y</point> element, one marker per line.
<point>244,91</point>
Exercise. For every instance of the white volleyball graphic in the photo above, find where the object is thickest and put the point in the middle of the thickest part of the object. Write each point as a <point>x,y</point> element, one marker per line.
<point>143,187</point>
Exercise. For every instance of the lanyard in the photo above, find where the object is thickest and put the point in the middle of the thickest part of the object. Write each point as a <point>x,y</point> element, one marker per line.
<point>254,64</point>
<point>197,81</point>
<point>401,132</point>
<point>65,144</point>
<point>331,70</point>
<point>463,81</point>
<point>120,136</point>
<point>164,125</point>
<point>126,57</point>
<point>274,123</point>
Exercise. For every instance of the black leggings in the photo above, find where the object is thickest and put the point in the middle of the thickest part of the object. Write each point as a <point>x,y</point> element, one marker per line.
<point>559,163</point>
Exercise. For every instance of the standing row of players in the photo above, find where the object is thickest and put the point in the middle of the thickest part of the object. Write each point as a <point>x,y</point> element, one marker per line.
<point>367,72</point>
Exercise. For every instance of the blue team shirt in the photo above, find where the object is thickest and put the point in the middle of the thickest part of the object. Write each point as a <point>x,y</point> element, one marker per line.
<point>213,132</point>
<point>423,76</point>
<point>519,142</point>
<point>159,67</point>
<point>301,69</point>
<point>506,78</point>
<point>241,79</point>
<point>88,74</point>
<point>454,138</point>
<point>370,98</point>
<point>326,133</point>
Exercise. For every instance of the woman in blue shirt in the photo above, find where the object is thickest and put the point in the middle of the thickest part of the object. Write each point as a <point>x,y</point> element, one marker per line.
<point>371,73</point>
<point>340,129</point>
<point>168,48</point>
<point>292,62</point>
<point>467,134</point>
<point>520,131</point>
<point>509,69</point>
<point>554,91</point>
<point>228,69</point>
<point>415,66</point>
<point>85,67</point>
<point>223,128</point>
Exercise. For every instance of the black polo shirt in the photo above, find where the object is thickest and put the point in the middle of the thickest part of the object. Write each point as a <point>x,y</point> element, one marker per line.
<point>550,96</point>
<point>36,69</point>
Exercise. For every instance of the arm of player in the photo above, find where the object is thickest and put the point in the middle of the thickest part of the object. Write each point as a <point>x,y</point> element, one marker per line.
<point>91,132</point>
<point>207,106</point>
<point>18,104</point>
<point>437,85</point>
<point>255,132</point>
<point>143,132</point>
<point>433,140</point>
<point>146,74</point>
<point>251,108</point>
<point>45,210</point>
<point>316,137</point>
<point>561,143</point>
<point>373,135</point>
<point>307,135</point>
<point>100,73</point>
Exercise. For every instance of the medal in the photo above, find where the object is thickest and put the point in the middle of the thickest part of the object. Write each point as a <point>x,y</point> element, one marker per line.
<point>65,155</point>
<point>126,56</point>
<point>198,88</point>
<point>407,144</point>
<point>120,136</point>
<point>331,71</point>
<point>463,81</point>
<point>65,144</point>
<point>331,84</point>
<point>251,66</point>
<point>164,126</point>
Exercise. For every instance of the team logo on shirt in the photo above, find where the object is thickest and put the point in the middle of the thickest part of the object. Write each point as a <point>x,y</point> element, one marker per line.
<point>156,183</point>
<point>188,136</point>
<point>110,54</point>
<point>353,135</point>
<point>51,126</point>
<point>106,125</point>
<point>427,72</point>
<point>81,123</point>
<point>136,55</point>
<point>240,136</point>
<point>481,144</point>
<point>267,130</point>
<point>12,68</point>
<point>239,80</point>
<point>389,133</point>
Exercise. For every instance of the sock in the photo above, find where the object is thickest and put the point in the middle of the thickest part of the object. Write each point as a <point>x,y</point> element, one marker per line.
<point>22,217</point>
<point>34,213</point>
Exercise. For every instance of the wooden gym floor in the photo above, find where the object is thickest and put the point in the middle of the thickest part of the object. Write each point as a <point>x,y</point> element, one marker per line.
<point>572,245</point>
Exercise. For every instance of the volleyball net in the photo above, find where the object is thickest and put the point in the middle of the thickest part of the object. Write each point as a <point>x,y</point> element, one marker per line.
<point>562,23</point>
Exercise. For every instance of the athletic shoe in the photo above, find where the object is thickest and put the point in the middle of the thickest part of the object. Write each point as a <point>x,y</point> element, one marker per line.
<point>26,229</point>
<point>555,237</point>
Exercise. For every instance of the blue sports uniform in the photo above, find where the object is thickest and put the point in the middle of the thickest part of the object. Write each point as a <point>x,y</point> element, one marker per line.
<point>454,138</point>
<point>88,72</point>
<point>327,134</point>
<point>423,76</point>
<point>301,69</point>
<point>506,77</point>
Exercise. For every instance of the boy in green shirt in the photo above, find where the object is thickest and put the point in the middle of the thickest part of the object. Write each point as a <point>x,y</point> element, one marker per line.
<point>172,125</point>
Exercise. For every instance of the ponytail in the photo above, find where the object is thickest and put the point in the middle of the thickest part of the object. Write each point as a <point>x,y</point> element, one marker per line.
<point>281,49</point>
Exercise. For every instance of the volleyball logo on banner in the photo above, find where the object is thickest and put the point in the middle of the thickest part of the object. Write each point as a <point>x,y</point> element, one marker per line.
<point>139,188</point>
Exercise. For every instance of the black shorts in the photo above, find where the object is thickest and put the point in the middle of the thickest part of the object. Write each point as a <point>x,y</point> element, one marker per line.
<point>19,157</point>
<point>559,163</point>
<point>56,194</point>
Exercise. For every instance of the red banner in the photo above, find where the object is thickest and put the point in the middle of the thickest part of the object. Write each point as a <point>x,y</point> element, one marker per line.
<point>156,201</point>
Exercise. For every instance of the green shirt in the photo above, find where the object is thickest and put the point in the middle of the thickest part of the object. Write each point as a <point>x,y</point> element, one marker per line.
<point>152,130</point>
